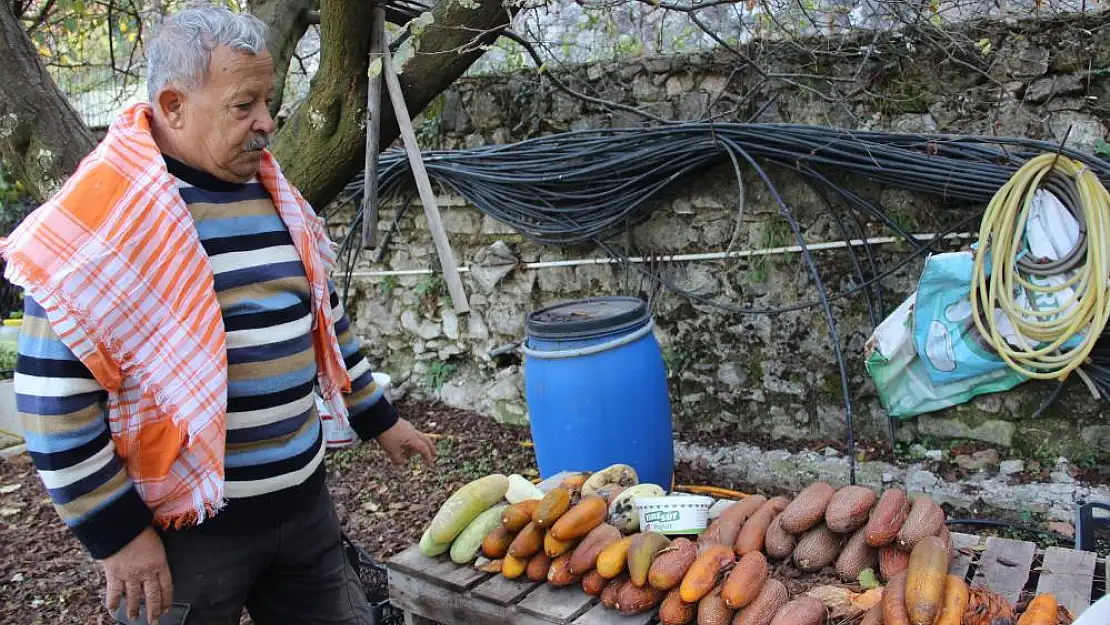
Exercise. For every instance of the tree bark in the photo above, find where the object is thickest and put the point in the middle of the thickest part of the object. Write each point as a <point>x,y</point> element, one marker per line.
<point>287,21</point>
<point>323,145</point>
<point>42,139</point>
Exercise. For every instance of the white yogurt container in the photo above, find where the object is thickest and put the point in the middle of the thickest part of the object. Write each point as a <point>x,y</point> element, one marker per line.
<point>674,514</point>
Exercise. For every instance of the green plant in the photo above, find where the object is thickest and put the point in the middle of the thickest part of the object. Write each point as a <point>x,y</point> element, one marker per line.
<point>388,284</point>
<point>438,374</point>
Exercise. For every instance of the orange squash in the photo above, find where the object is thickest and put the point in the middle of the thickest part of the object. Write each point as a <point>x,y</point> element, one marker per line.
<point>703,574</point>
<point>956,596</point>
<point>1042,610</point>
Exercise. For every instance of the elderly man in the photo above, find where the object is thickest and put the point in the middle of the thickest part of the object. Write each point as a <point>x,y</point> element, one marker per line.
<point>178,320</point>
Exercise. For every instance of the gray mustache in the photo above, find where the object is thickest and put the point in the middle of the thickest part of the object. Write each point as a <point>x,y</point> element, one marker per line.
<point>257,143</point>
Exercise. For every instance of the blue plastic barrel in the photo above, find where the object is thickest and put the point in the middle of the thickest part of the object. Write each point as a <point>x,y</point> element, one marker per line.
<point>596,388</point>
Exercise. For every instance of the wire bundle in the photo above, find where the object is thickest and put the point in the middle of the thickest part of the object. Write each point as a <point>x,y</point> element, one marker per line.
<point>582,187</point>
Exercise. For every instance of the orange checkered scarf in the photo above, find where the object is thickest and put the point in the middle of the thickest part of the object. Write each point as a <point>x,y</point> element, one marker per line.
<point>115,260</point>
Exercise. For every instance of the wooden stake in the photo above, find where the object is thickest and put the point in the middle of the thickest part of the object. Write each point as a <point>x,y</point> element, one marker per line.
<point>424,187</point>
<point>378,43</point>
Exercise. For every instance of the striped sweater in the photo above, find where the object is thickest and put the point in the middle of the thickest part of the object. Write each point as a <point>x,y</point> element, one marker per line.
<point>275,444</point>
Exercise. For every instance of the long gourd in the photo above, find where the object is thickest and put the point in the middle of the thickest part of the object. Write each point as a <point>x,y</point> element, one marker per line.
<point>465,505</point>
<point>465,547</point>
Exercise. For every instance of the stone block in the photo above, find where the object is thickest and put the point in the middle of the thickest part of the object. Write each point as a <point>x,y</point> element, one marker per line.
<point>461,221</point>
<point>994,432</point>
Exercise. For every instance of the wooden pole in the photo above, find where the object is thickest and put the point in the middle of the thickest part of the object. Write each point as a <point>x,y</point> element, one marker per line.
<point>424,187</point>
<point>378,43</point>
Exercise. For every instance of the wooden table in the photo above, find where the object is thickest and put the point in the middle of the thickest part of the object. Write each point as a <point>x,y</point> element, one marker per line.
<point>437,590</point>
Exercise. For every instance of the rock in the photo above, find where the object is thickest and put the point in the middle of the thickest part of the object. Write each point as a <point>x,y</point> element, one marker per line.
<point>450,324</point>
<point>831,452</point>
<point>978,461</point>
<point>412,323</point>
<point>1086,130</point>
<point>1097,436</point>
<point>888,478</point>
<point>918,451</point>
<point>995,432</point>
<point>732,374</point>
<point>1044,88</point>
<point>1060,477</point>
<point>1011,467</point>
<point>935,455</point>
<point>1063,528</point>
<point>492,265</point>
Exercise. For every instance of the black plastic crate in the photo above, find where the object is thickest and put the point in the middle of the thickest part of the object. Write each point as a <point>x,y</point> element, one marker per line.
<point>375,583</point>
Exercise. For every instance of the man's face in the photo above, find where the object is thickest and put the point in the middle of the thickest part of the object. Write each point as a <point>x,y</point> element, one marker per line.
<point>222,127</point>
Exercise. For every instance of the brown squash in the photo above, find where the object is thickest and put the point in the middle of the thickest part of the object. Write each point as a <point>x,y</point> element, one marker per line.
<point>763,610</point>
<point>671,564</point>
<point>553,505</point>
<point>538,566</point>
<point>894,601</point>
<point>745,580</point>
<point>778,544</point>
<point>585,554</point>
<point>807,510</point>
<point>849,509</point>
<point>724,529</point>
<point>925,579</point>
<point>856,556</point>
<point>754,531</point>
<point>518,515</point>
<point>675,611</point>
<point>527,543</point>
<point>801,611</point>
<point>887,517</point>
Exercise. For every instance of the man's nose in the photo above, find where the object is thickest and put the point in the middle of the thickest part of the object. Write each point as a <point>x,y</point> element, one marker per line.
<point>264,123</point>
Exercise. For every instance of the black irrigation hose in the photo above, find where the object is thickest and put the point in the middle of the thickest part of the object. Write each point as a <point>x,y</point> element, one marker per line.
<point>585,186</point>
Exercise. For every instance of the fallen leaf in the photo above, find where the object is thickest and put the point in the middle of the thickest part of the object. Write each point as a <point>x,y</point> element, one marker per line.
<point>9,488</point>
<point>10,511</point>
<point>18,577</point>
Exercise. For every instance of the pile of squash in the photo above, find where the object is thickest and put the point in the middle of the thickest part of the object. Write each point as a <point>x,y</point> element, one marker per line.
<point>586,531</point>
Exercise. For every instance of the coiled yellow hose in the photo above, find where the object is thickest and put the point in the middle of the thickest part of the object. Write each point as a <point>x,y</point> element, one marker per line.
<point>1001,233</point>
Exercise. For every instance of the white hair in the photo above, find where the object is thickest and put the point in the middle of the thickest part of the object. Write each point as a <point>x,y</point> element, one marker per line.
<point>182,48</point>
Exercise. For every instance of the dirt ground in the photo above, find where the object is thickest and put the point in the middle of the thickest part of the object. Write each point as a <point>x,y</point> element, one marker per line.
<point>46,576</point>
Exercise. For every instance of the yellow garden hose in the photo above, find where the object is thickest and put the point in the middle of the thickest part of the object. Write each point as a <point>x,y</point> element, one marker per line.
<point>1041,357</point>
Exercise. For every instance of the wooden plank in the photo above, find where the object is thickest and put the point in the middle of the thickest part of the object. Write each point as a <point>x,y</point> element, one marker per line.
<point>1069,575</point>
<point>464,577</point>
<point>415,619</point>
<point>600,615</point>
<point>1004,566</point>
<point>424,187</point>
<point>424,598</point>
<point>503,591</point>
<point>963,553</point>
<point>440,570</point>
<point>412,561</point>
<point>558,605</point>
<point>373,129</point>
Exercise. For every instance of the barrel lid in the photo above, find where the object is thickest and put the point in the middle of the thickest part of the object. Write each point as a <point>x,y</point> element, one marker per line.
<point>587,317</point>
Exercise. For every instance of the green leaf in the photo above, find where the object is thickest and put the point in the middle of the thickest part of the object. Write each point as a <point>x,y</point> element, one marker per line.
<point>375,67</point>
<point>420,22</point>
<point>1102,148</point>
<point>867,579</point>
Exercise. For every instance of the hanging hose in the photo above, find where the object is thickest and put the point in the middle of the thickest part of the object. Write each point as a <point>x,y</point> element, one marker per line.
<point>1043,332</point>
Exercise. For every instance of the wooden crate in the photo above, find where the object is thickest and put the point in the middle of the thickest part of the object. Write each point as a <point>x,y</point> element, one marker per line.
<point>437,590</point>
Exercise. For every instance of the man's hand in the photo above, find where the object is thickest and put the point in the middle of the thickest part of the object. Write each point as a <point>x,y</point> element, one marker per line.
<point>402,440</point>
<point>140,570</point>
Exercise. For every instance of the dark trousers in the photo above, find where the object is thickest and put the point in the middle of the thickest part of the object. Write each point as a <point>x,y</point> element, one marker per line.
<point>291,570</point>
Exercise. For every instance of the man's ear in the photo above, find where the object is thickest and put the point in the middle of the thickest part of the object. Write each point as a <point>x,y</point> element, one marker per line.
<point>171,104</point>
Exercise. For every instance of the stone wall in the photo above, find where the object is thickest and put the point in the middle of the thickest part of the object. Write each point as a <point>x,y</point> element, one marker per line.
<point>756,375</point>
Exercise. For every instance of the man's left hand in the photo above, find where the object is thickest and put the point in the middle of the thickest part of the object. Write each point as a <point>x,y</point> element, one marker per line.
<point>402,440</point>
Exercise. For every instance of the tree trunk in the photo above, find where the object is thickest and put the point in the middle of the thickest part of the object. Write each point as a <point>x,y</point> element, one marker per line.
<point>323,145</point>
<point>42,139</point>
<point>287,21</point>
